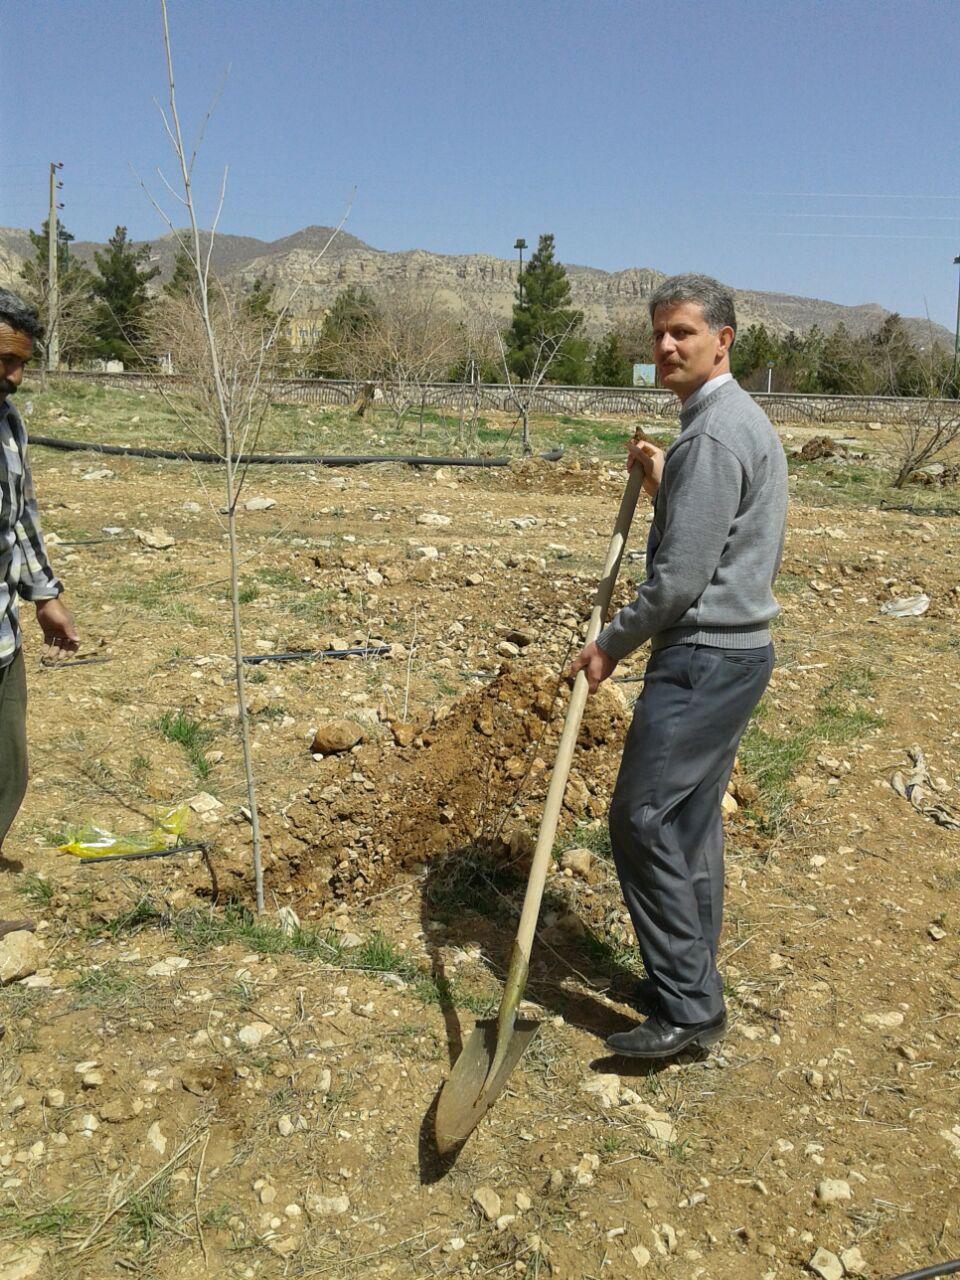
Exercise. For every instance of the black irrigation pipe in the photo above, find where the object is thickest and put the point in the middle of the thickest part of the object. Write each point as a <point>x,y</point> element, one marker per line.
<point>320,460</point>
<point>918,511</point>
<point>927,1273</point>
<point>300,655</point>
<point>136,857</point>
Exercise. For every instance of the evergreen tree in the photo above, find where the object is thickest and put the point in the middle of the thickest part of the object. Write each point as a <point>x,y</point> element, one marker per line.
<point>353,314</point>
<point>843,368</point>
<point>258,302</point>
<point>74,283</point>
<point>899,368</point>
<point>184,279</point>
<point>121,287</point>
<point>616,353</point>
<point>545,327</point>
<point>751,353</point>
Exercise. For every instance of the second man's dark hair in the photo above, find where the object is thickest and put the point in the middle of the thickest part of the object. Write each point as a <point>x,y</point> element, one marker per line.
<point>715,298</point>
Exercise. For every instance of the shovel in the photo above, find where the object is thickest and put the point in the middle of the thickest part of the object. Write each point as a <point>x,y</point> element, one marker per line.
<point>496,1045</point>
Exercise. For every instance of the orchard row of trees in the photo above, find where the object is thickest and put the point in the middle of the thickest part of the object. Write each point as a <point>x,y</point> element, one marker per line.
<point>412,338</point>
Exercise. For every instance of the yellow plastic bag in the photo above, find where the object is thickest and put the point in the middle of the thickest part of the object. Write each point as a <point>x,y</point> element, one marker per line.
<point>93,842</point>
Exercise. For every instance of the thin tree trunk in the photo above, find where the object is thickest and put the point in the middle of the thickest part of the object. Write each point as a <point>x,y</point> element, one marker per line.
<point>241,688</point>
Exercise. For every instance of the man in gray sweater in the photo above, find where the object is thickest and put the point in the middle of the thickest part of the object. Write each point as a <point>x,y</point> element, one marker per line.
<point>714,549</point>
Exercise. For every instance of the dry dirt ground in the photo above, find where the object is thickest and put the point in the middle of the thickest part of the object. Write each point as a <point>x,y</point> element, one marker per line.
<point>188,1092</point>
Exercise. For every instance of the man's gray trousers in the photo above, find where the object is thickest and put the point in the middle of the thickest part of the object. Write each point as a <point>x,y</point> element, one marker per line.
<point>666,824</point>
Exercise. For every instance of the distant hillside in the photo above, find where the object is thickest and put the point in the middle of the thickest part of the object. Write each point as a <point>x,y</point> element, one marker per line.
<point>467,280</point>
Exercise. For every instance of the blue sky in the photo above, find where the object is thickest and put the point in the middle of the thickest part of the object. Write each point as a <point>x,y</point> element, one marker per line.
<point>787,145</point>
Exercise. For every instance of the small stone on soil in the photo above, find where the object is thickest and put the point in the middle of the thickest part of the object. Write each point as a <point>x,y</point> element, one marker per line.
<point>488,1202</point>
<point>827,1265</point>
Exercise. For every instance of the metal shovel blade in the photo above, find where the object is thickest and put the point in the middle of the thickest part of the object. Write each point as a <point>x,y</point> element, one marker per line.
<point>464,1100</point>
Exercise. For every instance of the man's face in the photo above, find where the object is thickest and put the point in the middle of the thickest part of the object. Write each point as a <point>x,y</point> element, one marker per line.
<point>686,350</point>
<point>16,348</point>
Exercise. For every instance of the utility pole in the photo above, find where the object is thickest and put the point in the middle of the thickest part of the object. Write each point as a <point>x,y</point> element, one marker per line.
<point>53,288</point>
<point>956,340</point>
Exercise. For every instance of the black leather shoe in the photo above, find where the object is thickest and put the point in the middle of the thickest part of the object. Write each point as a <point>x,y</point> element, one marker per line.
<point>658,1038</point>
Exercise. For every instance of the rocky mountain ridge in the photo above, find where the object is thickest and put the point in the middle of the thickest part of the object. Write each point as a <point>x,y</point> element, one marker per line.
<point>466,282</point>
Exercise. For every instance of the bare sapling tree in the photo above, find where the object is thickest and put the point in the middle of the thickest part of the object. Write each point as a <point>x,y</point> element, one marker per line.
<point>478,352</point>
<point>521,394</point>
<point>411,342</point>
<point>927,430</point>
<point>928,419</point>
<point>75,321</point>
<point>226,354</point>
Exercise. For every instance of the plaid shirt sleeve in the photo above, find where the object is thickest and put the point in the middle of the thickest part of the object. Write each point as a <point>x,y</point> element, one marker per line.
<point>37,579</point>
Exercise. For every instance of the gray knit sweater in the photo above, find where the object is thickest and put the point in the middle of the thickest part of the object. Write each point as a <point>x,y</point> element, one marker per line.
<point>716,539</point>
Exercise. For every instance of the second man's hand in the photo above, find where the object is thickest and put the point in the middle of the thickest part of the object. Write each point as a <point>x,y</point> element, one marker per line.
<point>595,663</point>
<point>650,458</point>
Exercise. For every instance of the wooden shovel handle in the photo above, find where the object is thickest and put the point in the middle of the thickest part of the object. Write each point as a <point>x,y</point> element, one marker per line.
<point>571,727</point>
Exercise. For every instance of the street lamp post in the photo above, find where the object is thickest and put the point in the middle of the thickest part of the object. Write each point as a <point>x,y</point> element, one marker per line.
<point>956,339</point>
<point>520,246</point>
<point>769,376</point>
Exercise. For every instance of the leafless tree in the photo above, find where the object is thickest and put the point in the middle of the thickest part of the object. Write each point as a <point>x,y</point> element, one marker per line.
<point>927,430</point>
<point>76,310</point>
<point>522,394</point>
<point>411,341</point>
<point>226,354</point>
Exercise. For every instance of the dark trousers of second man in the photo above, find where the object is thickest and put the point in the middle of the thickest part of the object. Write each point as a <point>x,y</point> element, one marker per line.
<point>666,823</point>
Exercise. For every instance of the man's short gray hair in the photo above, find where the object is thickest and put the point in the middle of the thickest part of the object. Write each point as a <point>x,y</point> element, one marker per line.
<point>19,315</point>
<point>714,297</point>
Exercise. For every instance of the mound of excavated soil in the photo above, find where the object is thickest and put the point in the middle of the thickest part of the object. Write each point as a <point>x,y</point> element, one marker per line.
<point>476,774</point>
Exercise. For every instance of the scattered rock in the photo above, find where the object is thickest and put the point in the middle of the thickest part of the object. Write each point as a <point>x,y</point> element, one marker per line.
<point>488,1202</point>
<point>434,520</point>
<point>641,1255</point>
<point>157,1138</point>
<point>254,1033</point>
<point>606,1085</point>
<point>328,1206</point>
<point>204,802</point>
<point>167,967</point>
<point>155,539</point>
<point>19,956</point>
<point>854,1263</point>
<point>826,1265</point>
<point>22,1263</point>
<point>579,861</point>
<point>334,736</point>
<point>259,504</point>
<point>584,1170</point>
<point>832,1190</point>
<point>665,1238</point>
<point>119,1110</point>
<point>885,1021</point>
<point>728,805</point>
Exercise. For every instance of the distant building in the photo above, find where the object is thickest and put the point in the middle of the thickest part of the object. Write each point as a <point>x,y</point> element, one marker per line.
<point>303,331</point>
